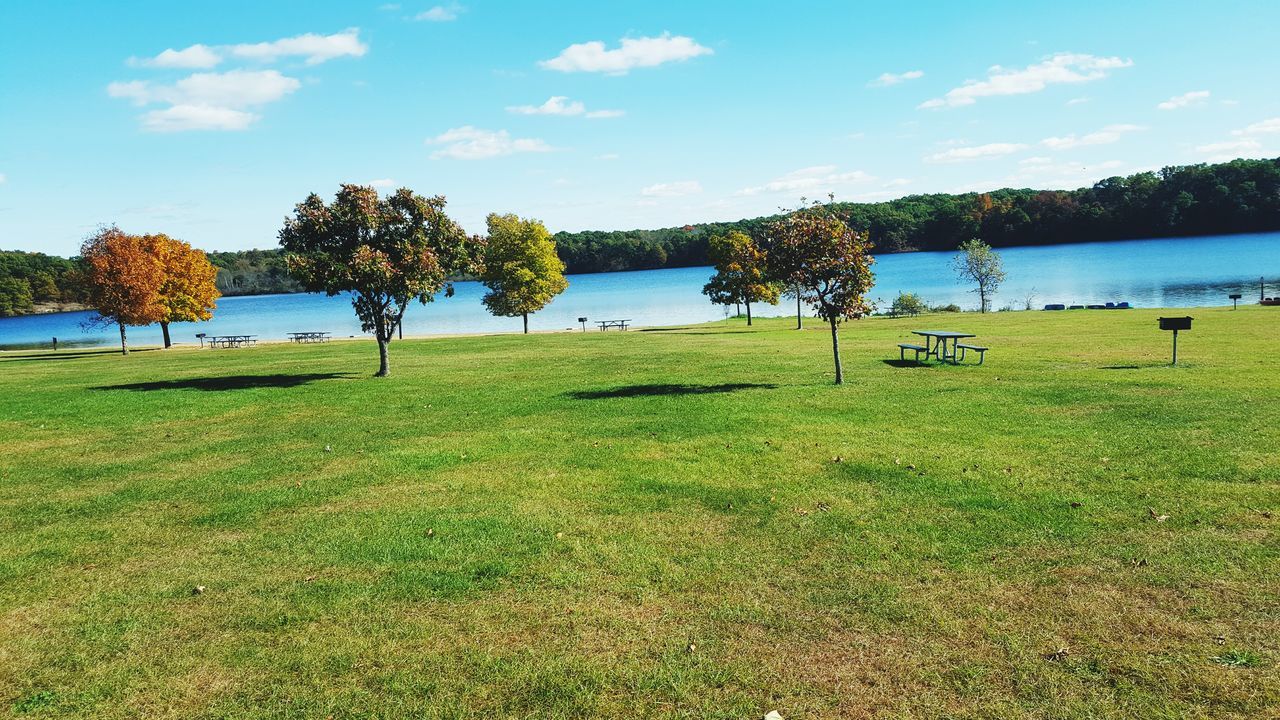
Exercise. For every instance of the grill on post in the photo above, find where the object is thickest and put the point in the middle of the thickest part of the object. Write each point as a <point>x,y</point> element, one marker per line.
<point>1175,324</point>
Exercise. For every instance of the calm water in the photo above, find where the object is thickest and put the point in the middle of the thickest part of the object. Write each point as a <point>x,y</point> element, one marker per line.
<point>1181,272</point>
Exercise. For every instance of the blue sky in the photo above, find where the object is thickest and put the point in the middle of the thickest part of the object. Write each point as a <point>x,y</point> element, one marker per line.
<point>208,121</point>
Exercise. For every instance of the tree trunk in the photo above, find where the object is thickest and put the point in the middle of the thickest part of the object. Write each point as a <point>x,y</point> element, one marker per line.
<point>835,349</point>
<point>384,361</point>
<point>748,314</point>
<point>164,328</point>
<point>737,309</point>
<point>982,299</point>
<point>124,345</point>
<point>526,323</point>
<point>799,317</point>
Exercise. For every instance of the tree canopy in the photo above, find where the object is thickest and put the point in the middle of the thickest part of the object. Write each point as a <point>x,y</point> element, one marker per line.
<point>520,267</point>
<point>977,263</point>
<point>741,274</point>
<point>189,290</point>
<point>122,280</point>
<point>827,262</point>
<point>386,252</point>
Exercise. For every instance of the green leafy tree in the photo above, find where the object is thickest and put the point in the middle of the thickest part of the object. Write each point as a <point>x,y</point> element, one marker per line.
<point>44,288</point>
<point>978,264</point>
<point>386,252</point>
<point>828,262</point>
<point>520,267</point>
<point>15,296</point>
<point>741,272</point>
<point>907,304</point>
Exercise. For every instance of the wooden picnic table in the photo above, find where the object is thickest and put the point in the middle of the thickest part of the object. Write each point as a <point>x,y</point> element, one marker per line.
<point>606,324</point>
<point>309,337</point>
<point>229,341</point>
<point>935,343</point>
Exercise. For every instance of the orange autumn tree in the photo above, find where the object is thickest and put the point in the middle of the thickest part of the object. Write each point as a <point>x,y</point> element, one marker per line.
<point>189,291</point>
<point>122,279</point>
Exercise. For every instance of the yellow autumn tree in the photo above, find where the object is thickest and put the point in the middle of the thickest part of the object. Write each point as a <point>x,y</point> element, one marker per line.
<point>189,291</point>
<point>122,279</point>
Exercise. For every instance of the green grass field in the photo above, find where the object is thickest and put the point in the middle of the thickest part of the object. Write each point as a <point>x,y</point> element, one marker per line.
<point>687,522</point>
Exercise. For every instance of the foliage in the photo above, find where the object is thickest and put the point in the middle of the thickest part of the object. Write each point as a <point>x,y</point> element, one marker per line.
<point>907,304</point>
<point>1233,197</point>
<point>28,278</point>
<point>386,252</point>
<point>253,272</point>
<point>741,272</point>
<point>828,263</point>
<point>122,280</point>
<point>977,263</point>
<point>189,291</point>
<point>520,267</point>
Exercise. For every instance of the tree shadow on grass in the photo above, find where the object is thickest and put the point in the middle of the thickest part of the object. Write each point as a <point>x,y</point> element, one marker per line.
<point>1122,367</point>
<point>229,382</point>
<point>662,329</point>
<point>66,355</point>
<point>904,363</point>
<point>666,389</point>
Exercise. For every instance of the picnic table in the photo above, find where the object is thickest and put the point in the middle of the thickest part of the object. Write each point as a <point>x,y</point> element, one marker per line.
<point>606,324</point>
<point>309,337</point>
<point>229,341</point>
<point>935,343</point>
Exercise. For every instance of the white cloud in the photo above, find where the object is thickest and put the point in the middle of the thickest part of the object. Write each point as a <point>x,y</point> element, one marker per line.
<point>975,152</point>
<point>1062,68</point>
<point>471,143</point>
<point>1195,97</point>
<point>633,53</point>
<point>556,105</point>
<point>887,79</point>
<point>1105,136</point>
<point>440,13</point>
<point>195,57</point>
<point>315,48</point>
<point>672,189</point>
<point>382,183</point>
<point>177,118</point>
<point>1231,149</point>
<point>206,101</point>
<point>561,105</point>
<point>1077,101</point>
<point>1271,125</point>
<point>817,180</point>
<point>236,88</point>
<point>897,182</point>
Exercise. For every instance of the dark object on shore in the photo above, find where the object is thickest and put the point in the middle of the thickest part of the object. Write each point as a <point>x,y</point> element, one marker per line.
<point>1095,307</point>
<point>1055,306</point>
<point>584,323</point>
<point>1175,324</point>
<point>1076,307</point>
<point>200,337</point>
<point>1235,297</point>
<point>55,344</point>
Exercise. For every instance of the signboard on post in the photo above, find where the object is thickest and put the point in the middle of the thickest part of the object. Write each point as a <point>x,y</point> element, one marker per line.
<point>1175,324</point>
<point>1234,297</point>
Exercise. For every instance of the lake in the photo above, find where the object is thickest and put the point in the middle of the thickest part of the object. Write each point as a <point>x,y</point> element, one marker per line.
<point>1179,272</point>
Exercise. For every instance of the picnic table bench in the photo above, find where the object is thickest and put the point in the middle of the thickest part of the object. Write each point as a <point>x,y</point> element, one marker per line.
<point>936,345</point>
<point>309,337</point>
<point>606,324</point>
<point>229,341</point>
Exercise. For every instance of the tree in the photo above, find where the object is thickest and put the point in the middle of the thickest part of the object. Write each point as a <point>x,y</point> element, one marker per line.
<point>907,304</point>
<point>386,252</point>
<point>15,296</point>
<point>741,275</point>
<point>44,288</point>
<point>190,289</point>
<point>829,263</point>
<point>979,264</point>
<point>794,292</point>
<point>122,280</point>
<point>520,267</point>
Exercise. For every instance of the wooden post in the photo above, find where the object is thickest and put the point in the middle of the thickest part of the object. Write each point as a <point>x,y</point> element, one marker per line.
<point>1175,347</point>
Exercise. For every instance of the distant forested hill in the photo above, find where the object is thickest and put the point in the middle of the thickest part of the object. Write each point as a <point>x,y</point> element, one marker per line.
<point>1238,196</point>
<point>1233,197</point>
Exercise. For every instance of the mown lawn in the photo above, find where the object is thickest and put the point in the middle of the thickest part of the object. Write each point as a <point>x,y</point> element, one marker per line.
<point>674,523</point>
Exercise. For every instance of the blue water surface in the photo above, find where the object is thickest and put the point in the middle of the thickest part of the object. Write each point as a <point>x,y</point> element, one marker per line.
<point>1179,272</point>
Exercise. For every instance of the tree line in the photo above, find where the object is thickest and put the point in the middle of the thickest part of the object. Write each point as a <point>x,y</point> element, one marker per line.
<point>1232,197</point>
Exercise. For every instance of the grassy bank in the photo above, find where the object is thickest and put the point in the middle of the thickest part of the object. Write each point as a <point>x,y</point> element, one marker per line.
<point>686,522</point>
